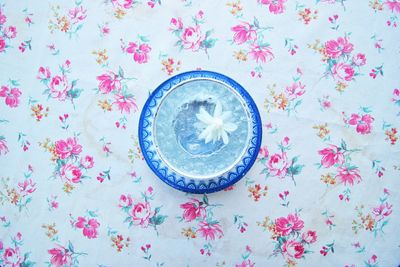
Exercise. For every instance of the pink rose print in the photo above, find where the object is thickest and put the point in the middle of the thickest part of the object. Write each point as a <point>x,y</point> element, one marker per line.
<point>2,44</point>
<point>3,145</point>
<point>274,6</point>
<point>59,87</point>
<point>381,211</point>
<point>10,32</point>
<point>26,187</point>
<point>87,162</point>
<point>393,5</point>
<point>141,214</point>
<point>244,32</point>
<point>331,156</point>
<point>11,96</point>
<point>12,257</point>
<point>264,153</point>
<point>193,210</point>
<point>342,72</point>
<point>125,103</point>
<point>140,52</point>
<point>109,82</point>
<point>60,256</point>
<point>309,237</point>
<point>363,123</point>
<point>70,173</point>
<point>359,59</point>
<point>209,230</point>
<point>43,73</point>
<point>123,3</point>
<point>192,37</point>
<point>295,90</point>
<point>77,14</point>
<point>246,263</point>
<point>339,47</point>
<point>348,175</point>
<point>67,148</point>
<point>261,53</point>
<point>286,225</point>
<point>89,227</point>
<point>278,165</point>
<point>292,249</point>
<point>289,241</point>
<point>341,64</point>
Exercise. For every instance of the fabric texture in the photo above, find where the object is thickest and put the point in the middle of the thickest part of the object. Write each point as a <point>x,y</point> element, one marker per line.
<point>75,190</point>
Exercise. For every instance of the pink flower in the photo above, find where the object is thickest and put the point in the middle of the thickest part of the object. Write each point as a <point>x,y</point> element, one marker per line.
<point>286,225</point>
<point>246,263</point>
<point>77,14</point>
<point>296,90</point>
<point>27,187</point>
<point>261,53</point>
<point>382,211</point>
<point>292,249</point>
<point>43,73</point>
<point>66,148</point>
<point>87,162</point>
<point>364,123</point>
<point>3,18</point>
<point>89,227</point>
<point>122,3</point>
<point>342,72</point>
<point>396,95</point>
<point>193,210</point>
<point>141,214</point>
<point>12,96</point>
<point>264,152</point>
<point>359,59</point>
<point>309,237</point>
<point>275,6</point>
<point>60,257</point>
<point>108,82</point>
<point>140,53</point>
<point>2,44</point>
<point>339,47</point>
<point>10,32</point>
<point>125,103</point>
<point>59,87</point>
<point>177,24</point>
<point>244,32</point>
<point>125,201</point>
<point>331,156</point>
<point>349,175</point>
<point>278,165</point>
<point>209,230</point>
<point>3,146</point>
<point>12,257</point>
<point>192,38</point>
<point>70,173</point>
<point>394,6</point>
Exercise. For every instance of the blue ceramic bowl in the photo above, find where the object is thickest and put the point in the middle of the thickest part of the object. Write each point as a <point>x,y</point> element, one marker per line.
<point>178,146</point>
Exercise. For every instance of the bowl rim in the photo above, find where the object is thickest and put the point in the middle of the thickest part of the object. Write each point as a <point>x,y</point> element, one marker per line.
<point>184,183</point>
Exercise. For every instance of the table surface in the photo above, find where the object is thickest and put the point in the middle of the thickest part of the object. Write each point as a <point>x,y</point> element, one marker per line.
<point>75,190</point>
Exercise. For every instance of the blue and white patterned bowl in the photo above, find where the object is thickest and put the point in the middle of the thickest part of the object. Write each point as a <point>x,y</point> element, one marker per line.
<point>169,132</point>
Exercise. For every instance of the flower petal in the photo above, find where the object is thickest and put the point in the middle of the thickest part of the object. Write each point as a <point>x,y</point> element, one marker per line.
<point>230,127</point>
<point>204,116</point>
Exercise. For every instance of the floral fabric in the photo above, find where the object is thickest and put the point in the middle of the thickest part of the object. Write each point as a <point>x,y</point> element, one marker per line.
<point>75,190</point>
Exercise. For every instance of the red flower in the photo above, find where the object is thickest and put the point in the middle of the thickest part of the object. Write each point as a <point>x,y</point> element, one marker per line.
<point>292,249</point>
<point>331,156</point>
<point>89,227</point>
<point>349,175</point>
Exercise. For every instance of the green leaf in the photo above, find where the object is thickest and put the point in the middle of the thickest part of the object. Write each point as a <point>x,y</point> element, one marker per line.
<point>157,210</point>
<point>121,72</point>
<point>70,247</point>
<point>256,23</point>
<point>158,219</point>
<point>208,43</point>
<point>205,199</point>
<point>74,93</point>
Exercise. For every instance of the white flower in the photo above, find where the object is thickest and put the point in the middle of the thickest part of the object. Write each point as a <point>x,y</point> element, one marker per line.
<point>217,126</point>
